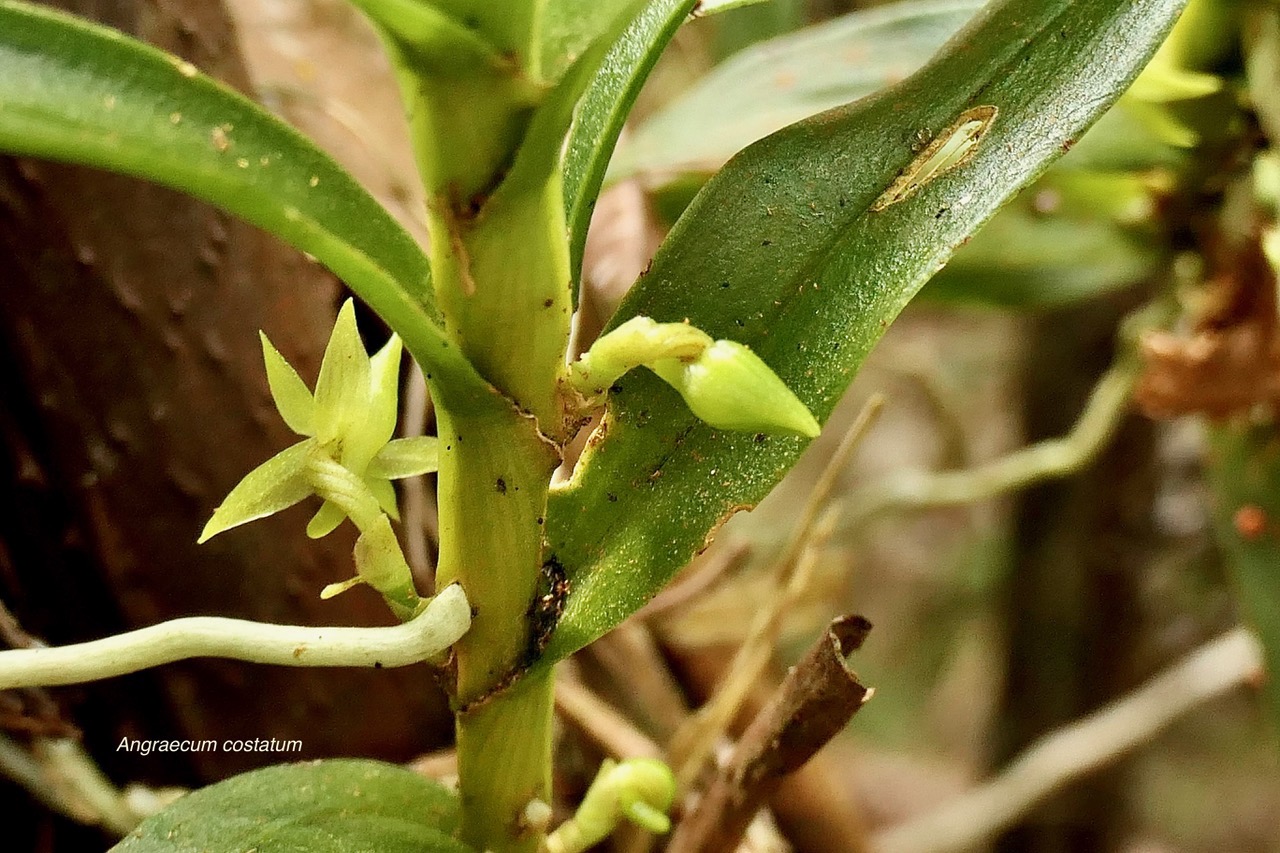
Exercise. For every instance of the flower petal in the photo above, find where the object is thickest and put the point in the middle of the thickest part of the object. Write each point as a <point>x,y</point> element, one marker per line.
<point>326,520</point>
<point>368,434</point>
<point>293,399</point>
<point>381,564</point>
<point>342,389</point>
<point>406,457</point>
<point>333,589</point>
<point>386,495</point>
<point>276,484</point>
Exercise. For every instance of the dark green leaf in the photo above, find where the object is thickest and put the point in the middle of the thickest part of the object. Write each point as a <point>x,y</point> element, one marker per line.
<point>794,250</point>
<point>81,93</point>
<point>786,79</point>
<point>1246,479</point>
<point>540,151</point>
<point>339,806</point>
<point>603,108</point>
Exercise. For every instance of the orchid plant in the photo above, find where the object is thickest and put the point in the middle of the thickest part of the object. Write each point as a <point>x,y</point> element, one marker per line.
<point>751,321</point>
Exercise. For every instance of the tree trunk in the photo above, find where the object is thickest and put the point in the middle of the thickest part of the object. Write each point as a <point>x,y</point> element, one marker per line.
<point>1073,606</point>
<point>133,400</point>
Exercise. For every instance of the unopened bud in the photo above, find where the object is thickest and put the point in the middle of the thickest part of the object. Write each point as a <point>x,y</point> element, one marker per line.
<point>730,387</point>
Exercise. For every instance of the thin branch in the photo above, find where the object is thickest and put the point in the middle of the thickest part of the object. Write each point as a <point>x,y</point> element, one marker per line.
<point>601,723</point>
<point>693,743</point>
<point>1059,457</point>
<point>427,635</point>
<point>1063,756</point>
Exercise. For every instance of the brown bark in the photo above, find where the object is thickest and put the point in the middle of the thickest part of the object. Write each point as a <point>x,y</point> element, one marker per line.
<point>132,401</point>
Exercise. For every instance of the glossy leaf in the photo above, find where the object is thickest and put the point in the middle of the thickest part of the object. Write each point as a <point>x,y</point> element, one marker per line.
<point>775,83</point>
<point>1027,257</point>
<point>603,108</point>
<point>567,28</point>
<point>783,251</point>
<point>82,93</point>
<point>1245,471</point>
<point>340,806</point>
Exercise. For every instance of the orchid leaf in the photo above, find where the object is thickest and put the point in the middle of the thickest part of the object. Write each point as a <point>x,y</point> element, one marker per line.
<point>804,248</point>
<point>338,806</point>
<point>603,109</point>
<point>83,93</point>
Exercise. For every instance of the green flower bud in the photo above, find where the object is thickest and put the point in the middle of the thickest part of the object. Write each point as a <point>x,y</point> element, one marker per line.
<point>639,789</point>
<point>723,382</point>
<point>729,387</point>
<point>380,563</point>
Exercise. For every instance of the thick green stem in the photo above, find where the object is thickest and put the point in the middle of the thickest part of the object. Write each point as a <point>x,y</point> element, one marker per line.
<point>504,762</point>
<point>494,475</point>
<point>500,267</point>
<point>503,282</point>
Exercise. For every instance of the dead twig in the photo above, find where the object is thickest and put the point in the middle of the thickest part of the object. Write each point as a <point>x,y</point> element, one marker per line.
<point>812,705</point>
<point>601,723</point>
<point>635,677</point>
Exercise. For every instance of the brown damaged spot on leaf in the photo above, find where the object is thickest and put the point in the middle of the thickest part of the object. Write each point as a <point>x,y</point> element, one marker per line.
<point>1230,364</point>
<point>720,522</point>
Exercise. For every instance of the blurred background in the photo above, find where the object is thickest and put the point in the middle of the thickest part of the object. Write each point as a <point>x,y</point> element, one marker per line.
<point>1012,596</point>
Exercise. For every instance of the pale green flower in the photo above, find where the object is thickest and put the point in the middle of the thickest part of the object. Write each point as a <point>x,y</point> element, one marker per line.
<point>348,456</point>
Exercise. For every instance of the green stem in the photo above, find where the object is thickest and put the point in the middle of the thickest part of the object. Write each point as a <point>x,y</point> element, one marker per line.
<point>500,267</point>
<point>504,762</point>
<point>495,472</point>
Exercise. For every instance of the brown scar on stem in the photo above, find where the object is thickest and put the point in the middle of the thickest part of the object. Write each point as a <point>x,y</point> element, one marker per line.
<point>948,150</point>
<point>464,260</point>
